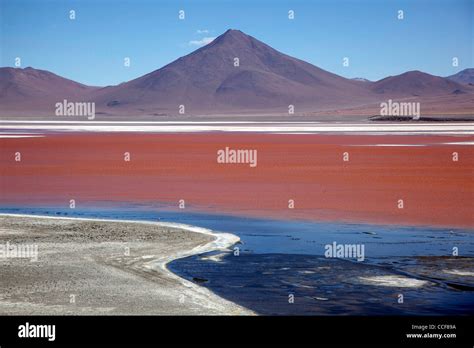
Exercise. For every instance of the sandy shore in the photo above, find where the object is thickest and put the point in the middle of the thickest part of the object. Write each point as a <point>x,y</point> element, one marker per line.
<point>87,266</point>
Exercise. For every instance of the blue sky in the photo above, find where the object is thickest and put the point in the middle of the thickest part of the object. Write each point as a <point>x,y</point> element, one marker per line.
<point>91,49</point>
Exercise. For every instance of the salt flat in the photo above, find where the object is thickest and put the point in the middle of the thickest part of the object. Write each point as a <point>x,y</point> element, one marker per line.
<point>453,128</point>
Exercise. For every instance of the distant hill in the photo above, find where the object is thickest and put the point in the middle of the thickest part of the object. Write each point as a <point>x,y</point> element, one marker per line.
<point>416,83</point>
<point>360,79</point>
<point>465,76</point>
<point>30,89</point>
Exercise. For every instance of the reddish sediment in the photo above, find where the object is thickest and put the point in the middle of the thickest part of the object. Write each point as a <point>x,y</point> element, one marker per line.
<point>308,169</point>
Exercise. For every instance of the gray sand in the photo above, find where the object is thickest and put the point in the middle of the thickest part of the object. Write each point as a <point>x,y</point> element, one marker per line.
<point>102,267</point>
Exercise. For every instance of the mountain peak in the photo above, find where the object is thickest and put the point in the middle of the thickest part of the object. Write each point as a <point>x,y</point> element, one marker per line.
<point>234,33</point>
<point>233,36</point>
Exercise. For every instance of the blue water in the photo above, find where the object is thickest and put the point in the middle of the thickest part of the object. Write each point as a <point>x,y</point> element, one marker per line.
<point>291,237</point>
<point>280,258</point>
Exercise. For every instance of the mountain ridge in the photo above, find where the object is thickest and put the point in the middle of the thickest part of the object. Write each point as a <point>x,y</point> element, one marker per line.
<point>234,73</point>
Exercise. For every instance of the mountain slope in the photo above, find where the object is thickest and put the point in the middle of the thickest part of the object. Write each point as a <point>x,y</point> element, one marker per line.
<point>40,89</point>
<point>465,76</point>
<point>29,83</point>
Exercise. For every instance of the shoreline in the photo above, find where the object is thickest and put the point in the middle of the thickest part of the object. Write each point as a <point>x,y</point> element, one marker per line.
<point>272,215</point>
<point>269,217</point>
<point>208,302</point>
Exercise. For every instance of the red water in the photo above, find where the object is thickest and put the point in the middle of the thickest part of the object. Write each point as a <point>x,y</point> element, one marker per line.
<point>308,169</point>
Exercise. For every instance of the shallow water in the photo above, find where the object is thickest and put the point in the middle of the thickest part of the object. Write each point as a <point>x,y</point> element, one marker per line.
<point>320,286</point>
<point>280,266</point>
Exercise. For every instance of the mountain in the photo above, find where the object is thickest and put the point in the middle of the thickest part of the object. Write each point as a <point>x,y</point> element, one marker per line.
<point>21,89</point>
<point>465,76</point>
<point>209,81</point>
<point>416,83</point>
<point>266,81</point>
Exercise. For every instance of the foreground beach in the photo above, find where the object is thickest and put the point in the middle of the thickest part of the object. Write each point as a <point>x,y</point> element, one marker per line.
<point>87,266</point>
